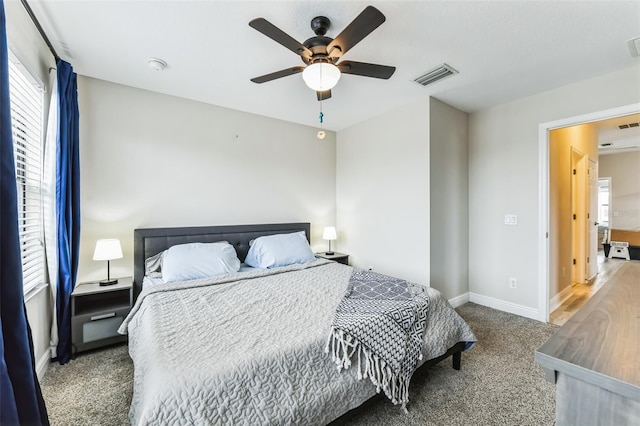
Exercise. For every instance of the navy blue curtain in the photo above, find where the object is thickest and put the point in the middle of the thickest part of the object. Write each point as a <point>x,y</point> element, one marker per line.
<point>67,202</point>
<point>22,401</point>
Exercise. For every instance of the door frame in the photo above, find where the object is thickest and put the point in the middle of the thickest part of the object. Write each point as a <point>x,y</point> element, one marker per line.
<point>543,191</point>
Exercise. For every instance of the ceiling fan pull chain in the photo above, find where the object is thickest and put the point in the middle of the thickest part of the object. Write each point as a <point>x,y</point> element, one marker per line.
<point>321,134</point>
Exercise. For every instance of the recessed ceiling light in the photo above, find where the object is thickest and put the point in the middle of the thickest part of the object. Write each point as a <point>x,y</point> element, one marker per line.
<point>157,64</point>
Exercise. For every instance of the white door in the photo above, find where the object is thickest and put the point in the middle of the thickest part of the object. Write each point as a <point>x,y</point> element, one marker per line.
<point>579,233</point>
<point>592,215</point>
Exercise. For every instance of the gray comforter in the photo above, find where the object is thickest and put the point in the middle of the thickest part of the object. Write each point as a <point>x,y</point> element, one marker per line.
<point>248,348</point>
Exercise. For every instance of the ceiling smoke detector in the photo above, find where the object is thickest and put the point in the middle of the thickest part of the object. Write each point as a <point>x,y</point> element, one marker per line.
<point>157,64</point>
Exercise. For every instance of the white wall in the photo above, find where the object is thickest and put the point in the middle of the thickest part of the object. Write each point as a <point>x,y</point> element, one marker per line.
<point>504,178</point>
<point>382,193</point>
<point>449,171</point>
<point>624,171</point>
<point>25,42</point>
<point>152,160</point>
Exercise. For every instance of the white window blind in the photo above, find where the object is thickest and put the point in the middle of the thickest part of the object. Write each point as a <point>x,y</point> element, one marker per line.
<point>27,102</point>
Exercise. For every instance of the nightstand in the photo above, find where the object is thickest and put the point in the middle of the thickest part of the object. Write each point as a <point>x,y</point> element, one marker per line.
<point>338,257</point>
<point>97,312</point>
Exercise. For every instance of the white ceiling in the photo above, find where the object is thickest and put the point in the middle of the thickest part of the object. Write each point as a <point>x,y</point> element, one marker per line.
<point>503,50</point>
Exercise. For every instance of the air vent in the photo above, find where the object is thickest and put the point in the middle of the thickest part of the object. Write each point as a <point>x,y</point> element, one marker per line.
<point>627,126</point>
<point>435,75</point>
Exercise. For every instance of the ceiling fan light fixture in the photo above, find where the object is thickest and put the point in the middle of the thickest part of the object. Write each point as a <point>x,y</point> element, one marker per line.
<point>321,76</point>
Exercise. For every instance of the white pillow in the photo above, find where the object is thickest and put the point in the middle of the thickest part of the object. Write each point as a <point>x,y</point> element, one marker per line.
<point>198,260</point>
<point>279,250</point>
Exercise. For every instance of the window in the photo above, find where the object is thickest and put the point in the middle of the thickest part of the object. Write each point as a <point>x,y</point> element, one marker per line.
<point>27,102</point>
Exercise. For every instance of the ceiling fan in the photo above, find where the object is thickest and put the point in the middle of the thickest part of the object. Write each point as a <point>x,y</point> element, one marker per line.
<point>321,53</point>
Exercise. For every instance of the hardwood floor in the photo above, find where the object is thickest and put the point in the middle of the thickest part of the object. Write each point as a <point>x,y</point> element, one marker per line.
<point>583,292</point>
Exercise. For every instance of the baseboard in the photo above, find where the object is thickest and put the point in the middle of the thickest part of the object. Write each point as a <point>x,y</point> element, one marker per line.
<point>43,364</point>
<point>501,305</point>
<point>459,300</point>
<point>560,298</point>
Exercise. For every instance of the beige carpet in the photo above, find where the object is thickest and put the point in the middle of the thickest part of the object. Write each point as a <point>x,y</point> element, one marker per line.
<point>499,384</point>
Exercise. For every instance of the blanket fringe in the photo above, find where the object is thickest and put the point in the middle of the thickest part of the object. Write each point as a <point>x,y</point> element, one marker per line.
<point>342,347</point>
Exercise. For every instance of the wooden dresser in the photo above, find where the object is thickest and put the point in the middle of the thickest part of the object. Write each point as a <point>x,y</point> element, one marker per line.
<point>594,359</point>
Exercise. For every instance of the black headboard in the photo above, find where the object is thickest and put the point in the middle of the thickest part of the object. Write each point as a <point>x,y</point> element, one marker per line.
<point>150,241</point>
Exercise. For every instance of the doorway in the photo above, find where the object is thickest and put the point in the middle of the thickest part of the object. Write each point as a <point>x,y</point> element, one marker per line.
<point>544,212</point>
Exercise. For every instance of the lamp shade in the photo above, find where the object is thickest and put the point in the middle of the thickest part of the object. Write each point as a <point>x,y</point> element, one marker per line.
<point>329,233</point>
<point>107,249</point>
<point>321,76</point>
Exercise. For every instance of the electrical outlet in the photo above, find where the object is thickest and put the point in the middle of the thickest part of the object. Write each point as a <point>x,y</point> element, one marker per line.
<point>513,283</point>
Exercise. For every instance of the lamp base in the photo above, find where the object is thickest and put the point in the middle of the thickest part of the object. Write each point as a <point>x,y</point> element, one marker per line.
<point>109,282</point>
<point>329,253</point>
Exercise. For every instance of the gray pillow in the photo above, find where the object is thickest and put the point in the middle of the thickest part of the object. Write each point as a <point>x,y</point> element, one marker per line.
<point>153,263</point>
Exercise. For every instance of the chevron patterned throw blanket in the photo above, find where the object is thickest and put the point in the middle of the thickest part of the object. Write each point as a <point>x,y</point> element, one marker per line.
<point>380,324</point>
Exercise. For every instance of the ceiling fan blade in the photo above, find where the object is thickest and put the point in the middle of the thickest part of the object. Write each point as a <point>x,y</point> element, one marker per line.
<point>279,36</point>
<point>277,74</point>
<point>323,95</point>
<point>368,20</point>
<point>366,69</point>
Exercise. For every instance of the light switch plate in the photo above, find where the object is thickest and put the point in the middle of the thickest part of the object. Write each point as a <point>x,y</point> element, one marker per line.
<point>510,219</point>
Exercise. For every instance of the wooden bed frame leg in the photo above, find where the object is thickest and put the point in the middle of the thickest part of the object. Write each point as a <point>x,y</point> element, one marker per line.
<point>457,357</point>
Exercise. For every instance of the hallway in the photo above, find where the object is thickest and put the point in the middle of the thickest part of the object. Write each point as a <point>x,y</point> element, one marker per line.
<point>583,292</point>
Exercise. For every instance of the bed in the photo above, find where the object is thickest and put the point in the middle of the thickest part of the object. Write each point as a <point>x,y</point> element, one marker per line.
<point>249,347</point>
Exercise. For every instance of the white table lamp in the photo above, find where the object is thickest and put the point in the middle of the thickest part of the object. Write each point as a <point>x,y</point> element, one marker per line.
<point>329,234</point>
<point>108,250</point>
